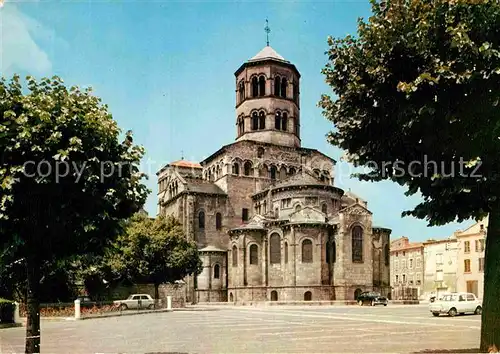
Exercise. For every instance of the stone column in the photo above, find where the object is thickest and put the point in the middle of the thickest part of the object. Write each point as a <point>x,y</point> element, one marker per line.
<point>244,256</point>
<point>210,275</point>
<point>266,262</point>
<point>294,244</point>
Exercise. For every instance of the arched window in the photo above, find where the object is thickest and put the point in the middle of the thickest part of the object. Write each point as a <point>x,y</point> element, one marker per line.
<point>298,207</point>
<point>201,220</point>
<point>247,168</point>
<point>324,208</point>
<point>273,172</point>
<point>284,85</point>
<point>334,252</point>
<point>284,122</point>
<point>262,86</point>
<point>255,87</point>
<point>255,121</point>
<point>277,121</point>
<point>216,271</point>
<point>241,125</point>
<point>275,249</point>
<point>277,86</point>
<point>260,152</point>
<point>285,250</point>
<point>242,91</point>
<point>254,254</point>
<point>387,255</point>
<point>307,296</point>
<point>235,256</point>
<point>218,221</point>
<point>236,168</point>
<point>274,295</point>
<point>291,172</point>
<point>307,251</point>
<point>357,244</point>
<point>262,120</point>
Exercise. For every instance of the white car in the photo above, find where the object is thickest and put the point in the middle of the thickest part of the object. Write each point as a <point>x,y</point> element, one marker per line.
<point>136,301</point>
<point>456,303</point>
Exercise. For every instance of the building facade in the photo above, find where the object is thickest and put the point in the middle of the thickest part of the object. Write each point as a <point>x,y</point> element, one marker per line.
<point>470,265</point>
<point>440,260</point>
<point>268,220</point>
<point>407,267</point>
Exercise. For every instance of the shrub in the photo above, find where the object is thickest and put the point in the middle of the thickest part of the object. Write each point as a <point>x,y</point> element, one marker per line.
<point>7,308</point>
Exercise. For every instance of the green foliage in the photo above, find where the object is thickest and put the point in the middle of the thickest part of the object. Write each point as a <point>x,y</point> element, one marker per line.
<point>421,83</point>
<point>58,191</point>
<point>66,181</point>
<point>154,251</point>
<point>7,308</point>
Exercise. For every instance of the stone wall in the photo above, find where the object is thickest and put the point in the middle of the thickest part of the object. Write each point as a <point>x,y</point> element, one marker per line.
<point>177,291</point>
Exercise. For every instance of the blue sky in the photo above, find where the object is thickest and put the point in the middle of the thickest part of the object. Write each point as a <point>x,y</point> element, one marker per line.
<point>165,69</point>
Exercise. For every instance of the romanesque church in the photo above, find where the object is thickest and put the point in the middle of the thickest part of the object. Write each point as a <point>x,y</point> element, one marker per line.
<point>264,211</point>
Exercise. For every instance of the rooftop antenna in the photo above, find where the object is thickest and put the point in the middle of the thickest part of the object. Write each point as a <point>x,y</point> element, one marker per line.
<point>267,29</point>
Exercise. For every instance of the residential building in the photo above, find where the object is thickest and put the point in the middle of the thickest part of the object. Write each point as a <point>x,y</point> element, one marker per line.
<point>470,270</point>
<point>440,267</point>
<point>264,210</point>
<point>407,266</point>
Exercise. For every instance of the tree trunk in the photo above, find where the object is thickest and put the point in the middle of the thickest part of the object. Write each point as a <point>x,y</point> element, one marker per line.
<point>490,325</point>
<point>33,305</point>
<point>157,294</point>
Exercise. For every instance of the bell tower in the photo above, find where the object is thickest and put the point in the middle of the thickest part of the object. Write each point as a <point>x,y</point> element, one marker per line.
<point>267,100</point>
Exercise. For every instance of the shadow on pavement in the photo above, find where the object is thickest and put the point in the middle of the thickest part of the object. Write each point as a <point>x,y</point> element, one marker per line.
<point>471,350</point>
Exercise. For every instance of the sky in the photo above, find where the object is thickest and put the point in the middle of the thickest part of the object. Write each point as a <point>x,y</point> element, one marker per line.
<point>166,71</point>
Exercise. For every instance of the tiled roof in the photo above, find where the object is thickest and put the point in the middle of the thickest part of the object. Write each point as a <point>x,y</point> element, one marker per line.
<point>199,185</point>
<point>211,248</point>
<point>408,246</point>
<point>267,53</point>
<point>184,163</point>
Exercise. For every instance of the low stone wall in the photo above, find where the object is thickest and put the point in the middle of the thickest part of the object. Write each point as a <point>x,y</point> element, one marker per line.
<point>177,291</point>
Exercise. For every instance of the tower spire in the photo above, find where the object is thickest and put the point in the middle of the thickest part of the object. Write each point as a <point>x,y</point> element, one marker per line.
<point>267,29</point>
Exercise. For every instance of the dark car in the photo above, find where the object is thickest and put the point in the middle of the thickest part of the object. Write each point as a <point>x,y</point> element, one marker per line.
<point>371,297</point>
<point>86,301</point>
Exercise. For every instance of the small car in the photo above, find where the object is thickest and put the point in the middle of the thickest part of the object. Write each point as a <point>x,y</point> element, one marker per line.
<point>456,303</point>
<point>86,301</point>
<point>371,297</point>
<point>136,301</point>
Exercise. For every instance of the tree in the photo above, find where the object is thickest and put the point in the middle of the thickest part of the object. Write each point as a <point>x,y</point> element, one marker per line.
<point>154,251</point>
<point>416,102</point>
<point>66,181</point>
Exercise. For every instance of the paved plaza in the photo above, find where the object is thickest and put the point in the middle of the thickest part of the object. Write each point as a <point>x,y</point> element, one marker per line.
<point>272,329</point>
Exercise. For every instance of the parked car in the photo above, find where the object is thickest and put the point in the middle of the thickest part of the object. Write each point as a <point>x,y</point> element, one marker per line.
<point>371,297</point>
<point>456,303</point>
<point>136,301</point>
<point>86,301</point>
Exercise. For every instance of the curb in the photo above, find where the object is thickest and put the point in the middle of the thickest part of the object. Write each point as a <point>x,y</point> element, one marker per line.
<point>10,325</point>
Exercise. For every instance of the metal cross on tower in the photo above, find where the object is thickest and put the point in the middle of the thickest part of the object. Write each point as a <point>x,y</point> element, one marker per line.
<point>267,29</point>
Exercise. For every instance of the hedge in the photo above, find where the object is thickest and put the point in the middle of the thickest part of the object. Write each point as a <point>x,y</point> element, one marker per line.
<point>7,308</point>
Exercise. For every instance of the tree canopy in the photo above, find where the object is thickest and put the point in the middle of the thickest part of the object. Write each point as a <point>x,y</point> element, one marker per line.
<point>416,101</point>
<point>66,180</point>
<point>420,83</point>
<point>154,251</point>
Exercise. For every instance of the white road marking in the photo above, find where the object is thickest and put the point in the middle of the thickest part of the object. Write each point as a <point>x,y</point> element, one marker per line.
<point>347,318</point>
<point>299,331</point>
<point>361,335</point>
